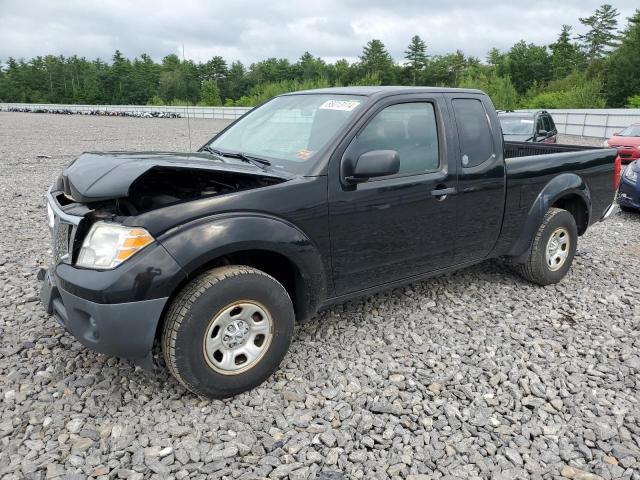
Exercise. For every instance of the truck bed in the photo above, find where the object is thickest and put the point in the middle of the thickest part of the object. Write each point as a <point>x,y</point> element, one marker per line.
<point>530,149</point>
<point>530,167</point>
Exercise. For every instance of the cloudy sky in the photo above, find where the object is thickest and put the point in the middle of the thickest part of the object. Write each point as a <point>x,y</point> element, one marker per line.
<point>250,30</point>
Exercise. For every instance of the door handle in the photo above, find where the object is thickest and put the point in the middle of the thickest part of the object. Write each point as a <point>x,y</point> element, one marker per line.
<point>441,194</point>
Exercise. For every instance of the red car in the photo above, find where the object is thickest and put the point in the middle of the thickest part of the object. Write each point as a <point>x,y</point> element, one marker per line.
<point>627,142</point>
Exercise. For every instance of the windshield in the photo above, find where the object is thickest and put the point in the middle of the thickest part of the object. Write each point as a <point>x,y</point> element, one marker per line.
<point>290,130</point>
<point>632,131</point>
<point>517,125</point>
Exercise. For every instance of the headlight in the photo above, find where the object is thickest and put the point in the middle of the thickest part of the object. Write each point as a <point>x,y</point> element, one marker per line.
<point>630,174</point>
<point>605,144</point>
<point>107,245</point>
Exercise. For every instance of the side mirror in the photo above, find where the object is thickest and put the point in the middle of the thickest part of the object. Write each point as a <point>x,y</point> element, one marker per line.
<point>377,163</point>
<point>542,133</point>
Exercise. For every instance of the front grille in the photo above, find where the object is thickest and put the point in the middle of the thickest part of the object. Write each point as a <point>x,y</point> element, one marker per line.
<point>61,236</point>
<point>64,227</point>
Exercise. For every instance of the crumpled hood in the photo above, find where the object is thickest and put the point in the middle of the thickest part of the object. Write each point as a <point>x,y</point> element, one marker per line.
<point>96,176</point>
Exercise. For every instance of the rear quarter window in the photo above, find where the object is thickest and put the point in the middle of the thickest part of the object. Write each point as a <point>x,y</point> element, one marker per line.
<point>474,131</point>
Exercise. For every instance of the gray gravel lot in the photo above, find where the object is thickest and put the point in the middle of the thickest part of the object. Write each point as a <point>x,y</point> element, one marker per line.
<point>575,140</point>
<point>474,374</point>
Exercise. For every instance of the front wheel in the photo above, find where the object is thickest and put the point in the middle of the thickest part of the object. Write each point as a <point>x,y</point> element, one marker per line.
<point>227,331</point>
<point>552,249</point>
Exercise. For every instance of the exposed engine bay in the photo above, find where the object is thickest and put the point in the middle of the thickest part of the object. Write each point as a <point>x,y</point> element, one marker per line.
<point>158,187</point>
<point>162,186</point>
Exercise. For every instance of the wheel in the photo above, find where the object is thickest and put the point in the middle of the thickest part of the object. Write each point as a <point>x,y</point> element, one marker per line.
<point>227,331</point>
<point>552,249</point>
<point>626,209</point>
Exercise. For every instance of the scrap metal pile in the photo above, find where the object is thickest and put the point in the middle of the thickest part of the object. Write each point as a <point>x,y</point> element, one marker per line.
<point>97,112</point>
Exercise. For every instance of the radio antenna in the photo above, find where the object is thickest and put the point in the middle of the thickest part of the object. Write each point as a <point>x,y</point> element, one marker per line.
<point>187,106</point>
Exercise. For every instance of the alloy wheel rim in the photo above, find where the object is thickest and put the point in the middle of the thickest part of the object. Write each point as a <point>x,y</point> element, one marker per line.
<point>557,249</point>
<point>238,337</point>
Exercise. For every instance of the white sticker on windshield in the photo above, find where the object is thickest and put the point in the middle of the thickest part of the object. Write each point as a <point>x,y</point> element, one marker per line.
<point>343,105</point>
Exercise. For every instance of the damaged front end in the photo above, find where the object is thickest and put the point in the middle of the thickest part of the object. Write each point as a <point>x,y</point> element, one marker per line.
<point>94,213</point>
<point>116,186</point>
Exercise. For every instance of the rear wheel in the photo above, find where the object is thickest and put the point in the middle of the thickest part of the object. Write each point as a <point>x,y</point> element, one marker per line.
<point>227,331</point>
<point>552,249</point>
<point>626,209</point>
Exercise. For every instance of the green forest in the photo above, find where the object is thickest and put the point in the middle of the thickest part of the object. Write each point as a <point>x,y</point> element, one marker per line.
<point>598,68</point>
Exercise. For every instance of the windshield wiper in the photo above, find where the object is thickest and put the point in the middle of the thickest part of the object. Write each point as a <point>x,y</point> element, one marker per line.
<point>261,162</point>
<point>213,151</point>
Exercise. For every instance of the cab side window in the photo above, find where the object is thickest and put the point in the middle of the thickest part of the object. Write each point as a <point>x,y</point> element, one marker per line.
<point>408,128</point>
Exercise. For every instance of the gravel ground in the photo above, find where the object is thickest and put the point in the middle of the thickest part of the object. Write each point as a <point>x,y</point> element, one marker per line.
<point>474,374</point>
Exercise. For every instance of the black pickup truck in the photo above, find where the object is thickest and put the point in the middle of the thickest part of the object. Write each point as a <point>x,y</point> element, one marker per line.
<point>310,199</point>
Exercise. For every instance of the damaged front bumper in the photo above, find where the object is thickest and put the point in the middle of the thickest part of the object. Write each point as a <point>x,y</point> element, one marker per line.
<point>121,329</point>
<point>116,311</point>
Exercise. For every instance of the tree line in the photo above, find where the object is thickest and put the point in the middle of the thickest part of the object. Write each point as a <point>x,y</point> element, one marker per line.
<point>598,68</point>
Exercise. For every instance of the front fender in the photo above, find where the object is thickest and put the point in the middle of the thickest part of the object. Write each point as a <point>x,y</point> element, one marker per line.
<point>200,242</point>
<point>558,187</point>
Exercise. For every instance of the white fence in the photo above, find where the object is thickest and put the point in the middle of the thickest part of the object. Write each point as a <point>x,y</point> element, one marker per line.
<point>599,123</point>
<point>221,113</point>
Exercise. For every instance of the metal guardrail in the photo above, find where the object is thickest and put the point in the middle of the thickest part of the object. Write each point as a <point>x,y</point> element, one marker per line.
<point>597,123</point>
<point>220,113</point>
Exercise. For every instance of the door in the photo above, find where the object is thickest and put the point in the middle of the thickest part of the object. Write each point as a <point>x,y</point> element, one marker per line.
<point>481,178</point>
<point>394,227</point>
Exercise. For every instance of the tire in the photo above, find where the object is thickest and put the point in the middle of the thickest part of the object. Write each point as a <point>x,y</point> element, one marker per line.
<point>626,209</point>
<point>543,270</point>
<point>218,318</point>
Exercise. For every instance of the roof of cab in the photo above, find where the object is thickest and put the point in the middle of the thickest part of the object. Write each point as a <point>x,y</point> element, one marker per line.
<point>520,113</point>
<point>378,91</point>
